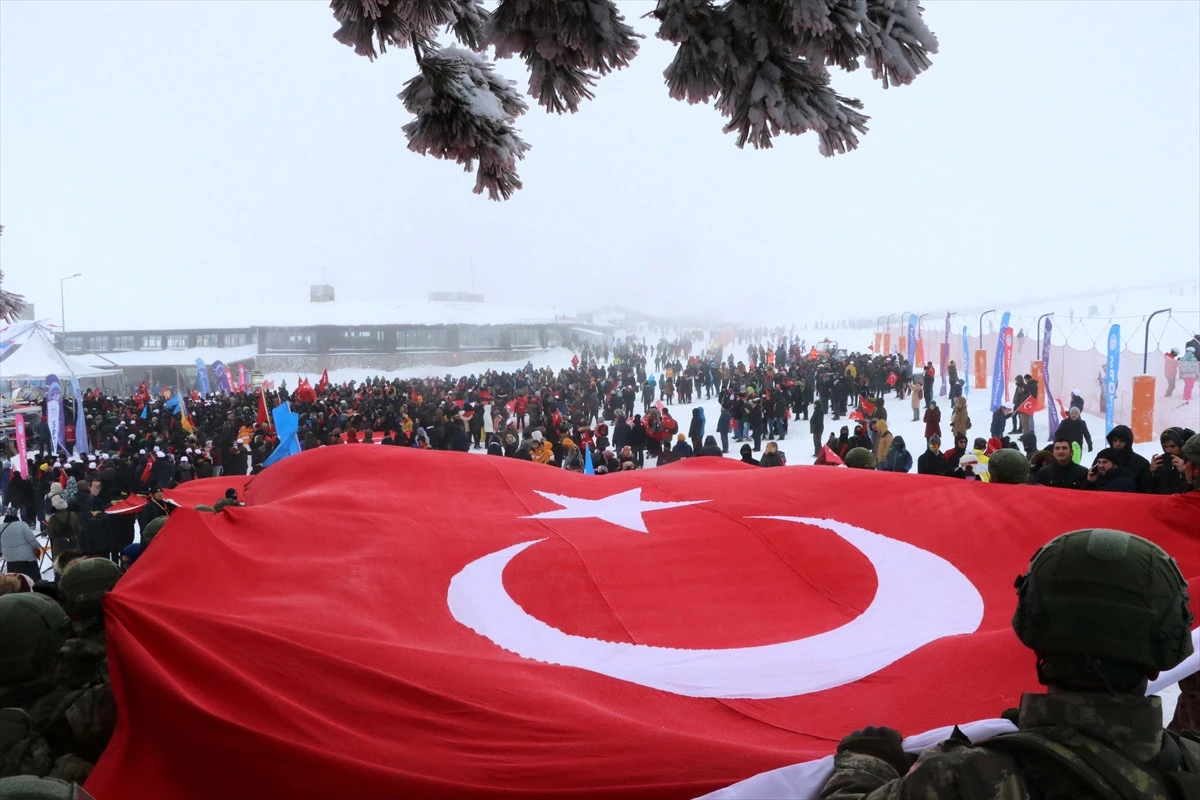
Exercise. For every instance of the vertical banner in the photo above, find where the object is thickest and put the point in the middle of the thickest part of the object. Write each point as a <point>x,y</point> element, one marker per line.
<point>887,342</point>
<point>223,381</point>
<point>981,369</point>
<point>241,377</point>
<point>1110,375</point>
<point>1051,403</point>
<point>22,453</point>
<point>202,378</point>
<point>1142,413</point>
<point>998,377</point>
<point>878,342</point>
<point>912,338</point>
<point>945,357</point>
<point>1008,352</point>
<point>966,376</point>
<point>81,437</point>
<point>54,414</point>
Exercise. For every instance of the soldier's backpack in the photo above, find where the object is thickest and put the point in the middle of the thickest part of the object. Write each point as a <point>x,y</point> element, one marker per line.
<point>1058,760</point>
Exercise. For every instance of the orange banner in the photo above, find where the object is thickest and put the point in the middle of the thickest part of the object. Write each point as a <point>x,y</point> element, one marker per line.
<point>920,350</point>
<point>878,342</point>
<point>1035,369</point>
<point>1143,408</point>
<point>902,346</point>
<point>981,369</point>
<point>887,342</point>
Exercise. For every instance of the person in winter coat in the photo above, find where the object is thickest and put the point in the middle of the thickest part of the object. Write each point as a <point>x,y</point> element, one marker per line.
<point>63,527</point>
<point>682,449</point>
<point>918,391</point>
<point>696,429</point>
<point>1019,394</point>
<point>747,453</point>
<point>711,448</point>
<point>1165,477</point>
<point>927,383</point>
<point>1075,428</point>
<point>1120,439</point>
<point>620,433</point>
<point>1062,472</point>
<point>816,425</point>
<point>723,428</point>
<point>772,457</point>
<point>932,461</point>
<point>960,423</point>
<point>898,458</point>
<point>639,437</point>
<point>955,454</point>
<point>1106,476</point>
<point>933,421</point>
<point>883,440</point>
<point>952,372</point>
<point>999,421</point>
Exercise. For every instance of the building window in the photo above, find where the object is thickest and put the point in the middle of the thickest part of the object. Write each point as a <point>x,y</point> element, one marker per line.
<point>235,340</point>
<point>73,344</point>
<point>421,339</point>
<point>359,339</point>
<point>289,340</point>
<point>152,343</point>
<point>480,337</point>
<point>124,342</point>
<point>99,344</point>
<point>526,337</point>
<point>206,340</point>
<point>177,341</point>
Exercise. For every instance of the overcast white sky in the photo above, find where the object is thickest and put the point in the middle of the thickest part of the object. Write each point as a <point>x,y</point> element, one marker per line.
<point>219,152</point>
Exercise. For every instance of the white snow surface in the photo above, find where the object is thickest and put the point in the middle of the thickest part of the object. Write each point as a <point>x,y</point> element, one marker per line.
<point>172,358</point>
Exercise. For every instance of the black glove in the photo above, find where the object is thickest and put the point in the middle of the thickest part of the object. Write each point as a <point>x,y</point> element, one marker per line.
<point>882,743</point>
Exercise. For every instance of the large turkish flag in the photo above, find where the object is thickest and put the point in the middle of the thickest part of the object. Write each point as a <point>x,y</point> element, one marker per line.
<point>383,622</point>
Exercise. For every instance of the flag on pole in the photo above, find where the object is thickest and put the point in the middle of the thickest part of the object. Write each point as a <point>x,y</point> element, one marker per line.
<point>588,469</point>
<point>262,418</point>
<point>81,434</point>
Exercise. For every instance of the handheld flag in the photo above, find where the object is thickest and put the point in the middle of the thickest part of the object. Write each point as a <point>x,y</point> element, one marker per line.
<point>588,469</point>
<point>262,418</point>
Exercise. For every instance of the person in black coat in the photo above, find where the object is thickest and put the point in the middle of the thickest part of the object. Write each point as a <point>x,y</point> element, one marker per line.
<point>696,430</point>
<point>816,425</point>
<point>1075,429</point>
<point>748,456</point>
<point>710,447</point>
<point>156,506</point>
<point>620,433</point>
<point>1106,476</point>
<point>1120,440</point>
<point>1164,477</point>
<point>932,461</point>
<point>723,427</point>
<point>638,439</point>
<point>1062,472</point>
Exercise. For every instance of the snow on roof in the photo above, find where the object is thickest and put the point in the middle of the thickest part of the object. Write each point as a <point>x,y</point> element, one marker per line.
<point>300,314</point>
<point>172,358</point>
<point>30,355</point>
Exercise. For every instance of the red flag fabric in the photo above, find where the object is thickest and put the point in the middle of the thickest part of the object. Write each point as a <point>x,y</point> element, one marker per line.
<point>263,417</point>
<point>324,382</point>
<point>202,491</point>
<point>829,458</point>
<point>891,379</point>
<point>1029,406</point>
<point>866,405</point>
<point>654,634</point>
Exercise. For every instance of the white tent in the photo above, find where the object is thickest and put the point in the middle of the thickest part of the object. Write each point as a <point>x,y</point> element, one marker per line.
<point>29,354</point>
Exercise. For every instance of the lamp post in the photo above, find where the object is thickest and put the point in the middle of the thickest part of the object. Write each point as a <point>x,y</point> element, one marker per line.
<point>1146,344</point>
<point>981,316</point>
<point>62,303</point>
<point>1038,354</point>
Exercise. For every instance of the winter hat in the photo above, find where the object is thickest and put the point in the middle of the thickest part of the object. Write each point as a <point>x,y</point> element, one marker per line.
<point>860,458</point>
<point>1175,435</point>
<point>183,460</point>
<point>1008,466</point>
<point>1120,432</point>
<point>536,436</point>
<point>58,503</point>
<point>935,439</point>
<point>993,444</point>
<point>55,489</point>
<point>1108,454</point>
<point>968,460</point>
<point>680,438</point>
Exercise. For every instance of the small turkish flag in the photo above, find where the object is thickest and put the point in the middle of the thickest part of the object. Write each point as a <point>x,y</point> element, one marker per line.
<point>660,633</point>
<point>891,379</point>
<point>1029,405</point>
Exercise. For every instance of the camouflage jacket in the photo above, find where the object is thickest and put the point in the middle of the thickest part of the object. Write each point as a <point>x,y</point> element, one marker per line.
<point>957,770</point>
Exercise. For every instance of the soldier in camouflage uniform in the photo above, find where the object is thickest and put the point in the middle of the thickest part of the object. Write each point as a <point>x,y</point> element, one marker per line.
<point>1104,611</point>
<point>57,711</point>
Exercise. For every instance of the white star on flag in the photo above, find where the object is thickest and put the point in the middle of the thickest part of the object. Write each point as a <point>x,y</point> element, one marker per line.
<point>624,509</point>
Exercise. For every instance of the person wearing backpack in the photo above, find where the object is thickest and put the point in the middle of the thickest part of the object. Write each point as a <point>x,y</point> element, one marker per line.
<point>1104,611</point>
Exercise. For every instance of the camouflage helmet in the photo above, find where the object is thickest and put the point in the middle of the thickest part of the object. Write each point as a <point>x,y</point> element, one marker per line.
<point>1008,466</point>
<point>152,528</point>
<point>28,787</point>
<point>860,458</point>
<point>84,585</point>
<point>32,629</point>
<point>1105,594</point>
<point>1191,449</point>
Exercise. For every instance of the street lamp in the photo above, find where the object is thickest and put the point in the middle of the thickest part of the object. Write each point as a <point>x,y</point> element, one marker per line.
<point>981,316</point>
<point>62,302</point>
<point>1041,333</point>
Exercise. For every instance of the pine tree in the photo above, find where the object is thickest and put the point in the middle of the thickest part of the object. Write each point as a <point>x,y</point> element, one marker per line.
<point>765,65</point>
<point>10,304</point>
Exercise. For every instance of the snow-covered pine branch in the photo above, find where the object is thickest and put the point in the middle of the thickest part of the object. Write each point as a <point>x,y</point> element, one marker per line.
<point>765,63</point>
<point>10,303</point>
<point>565,43</point>
<point>464,112</point>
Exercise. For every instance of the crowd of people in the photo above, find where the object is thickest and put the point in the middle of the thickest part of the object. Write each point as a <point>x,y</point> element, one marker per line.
<point>610,411</point>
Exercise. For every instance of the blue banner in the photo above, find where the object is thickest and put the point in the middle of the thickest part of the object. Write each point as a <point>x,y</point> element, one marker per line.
<point>912,338</point>
<point>998,365</point>
<point>966,371</point>
<point>287,424</point>
<point>1051,404</point>
<point>201,377</point>
<point>1110,375</point>
<point>81,437</point>
<point>224,382</point>
<point>588,468</point>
